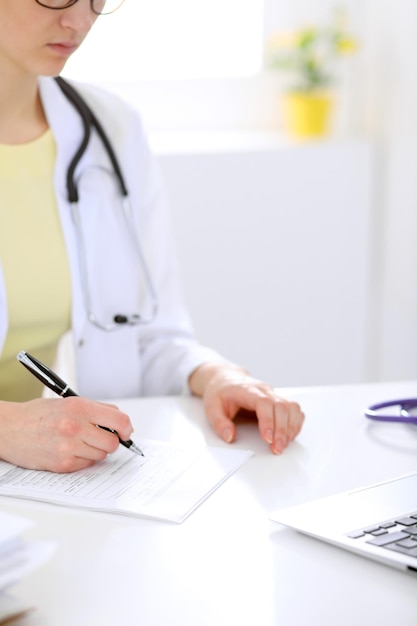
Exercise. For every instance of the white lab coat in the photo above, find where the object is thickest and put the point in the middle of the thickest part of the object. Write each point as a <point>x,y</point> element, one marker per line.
<point>154,359</point>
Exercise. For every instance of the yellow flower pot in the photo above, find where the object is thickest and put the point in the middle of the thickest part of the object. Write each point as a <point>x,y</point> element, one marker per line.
<point>307,115</point>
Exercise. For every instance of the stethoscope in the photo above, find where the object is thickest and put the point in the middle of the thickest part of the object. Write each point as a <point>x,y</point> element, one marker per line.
<point>403,406</point>
<point>90,121</point>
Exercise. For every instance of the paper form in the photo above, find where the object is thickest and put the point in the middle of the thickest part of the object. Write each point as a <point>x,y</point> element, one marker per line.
<point>168,483</point>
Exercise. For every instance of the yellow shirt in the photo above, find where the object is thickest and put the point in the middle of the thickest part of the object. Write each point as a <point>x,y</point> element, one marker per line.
<point>34,262</point>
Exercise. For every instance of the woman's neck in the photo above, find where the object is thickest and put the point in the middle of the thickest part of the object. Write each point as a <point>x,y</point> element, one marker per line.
<point>22,118</point>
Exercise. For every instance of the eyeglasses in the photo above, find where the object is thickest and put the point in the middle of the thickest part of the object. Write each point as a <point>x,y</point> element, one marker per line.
<point>99,7</point>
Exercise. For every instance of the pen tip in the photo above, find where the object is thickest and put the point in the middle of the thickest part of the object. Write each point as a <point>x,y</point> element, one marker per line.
<point>136,450</point>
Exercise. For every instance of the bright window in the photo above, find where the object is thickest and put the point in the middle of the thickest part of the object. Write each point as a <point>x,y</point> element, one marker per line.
<point>173,39</point>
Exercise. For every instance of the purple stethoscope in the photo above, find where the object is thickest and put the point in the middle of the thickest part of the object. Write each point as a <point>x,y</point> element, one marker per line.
<point>403,407</point>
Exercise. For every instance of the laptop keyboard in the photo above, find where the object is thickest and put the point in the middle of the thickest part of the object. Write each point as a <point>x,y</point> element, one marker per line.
<point>398,535</point>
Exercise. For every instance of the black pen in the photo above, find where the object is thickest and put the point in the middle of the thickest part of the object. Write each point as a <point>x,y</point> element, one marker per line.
<point>58,386</point>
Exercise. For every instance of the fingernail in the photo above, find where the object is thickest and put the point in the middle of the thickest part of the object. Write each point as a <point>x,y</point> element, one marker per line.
<point>279,445</point>
<point>227,435</point>
<point>269,436</point>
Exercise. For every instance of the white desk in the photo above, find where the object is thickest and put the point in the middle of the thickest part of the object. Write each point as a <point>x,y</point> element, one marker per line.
<point>227,564</point>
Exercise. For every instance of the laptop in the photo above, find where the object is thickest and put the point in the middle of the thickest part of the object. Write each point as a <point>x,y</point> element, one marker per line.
<point>378,522</point>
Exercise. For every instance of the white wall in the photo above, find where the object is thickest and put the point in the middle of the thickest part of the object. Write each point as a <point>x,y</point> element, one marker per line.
<point>381,104</point>
<point>274,248</point>
<point>392,119</point>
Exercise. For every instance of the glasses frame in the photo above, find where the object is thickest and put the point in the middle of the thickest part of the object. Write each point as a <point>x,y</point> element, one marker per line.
<point>70,3</point>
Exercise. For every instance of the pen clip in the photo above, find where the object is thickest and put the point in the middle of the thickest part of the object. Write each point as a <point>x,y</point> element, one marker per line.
<point>41,372</point>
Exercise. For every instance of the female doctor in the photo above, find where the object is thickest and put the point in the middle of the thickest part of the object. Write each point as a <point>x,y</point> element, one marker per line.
<point>76,263</point>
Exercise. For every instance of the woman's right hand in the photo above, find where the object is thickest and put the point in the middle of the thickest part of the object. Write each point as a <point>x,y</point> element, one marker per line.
<point>60,434</point>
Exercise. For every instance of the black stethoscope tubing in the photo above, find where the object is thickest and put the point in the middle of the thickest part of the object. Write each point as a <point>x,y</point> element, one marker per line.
<point>89,120</point>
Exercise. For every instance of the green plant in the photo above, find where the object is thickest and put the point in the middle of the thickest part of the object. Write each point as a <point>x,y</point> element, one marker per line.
<point>309,54</point>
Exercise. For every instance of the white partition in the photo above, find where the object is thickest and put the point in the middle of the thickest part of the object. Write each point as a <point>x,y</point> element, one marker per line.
<point>274,242</point>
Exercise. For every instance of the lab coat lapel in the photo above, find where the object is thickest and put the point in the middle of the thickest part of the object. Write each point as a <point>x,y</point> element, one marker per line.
<point>67,128</point>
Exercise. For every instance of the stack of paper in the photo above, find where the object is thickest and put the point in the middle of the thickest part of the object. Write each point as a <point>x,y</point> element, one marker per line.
<point>17,558</point>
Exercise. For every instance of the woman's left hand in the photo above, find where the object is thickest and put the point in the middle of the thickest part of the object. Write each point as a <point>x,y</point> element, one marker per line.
<point>226,390</point>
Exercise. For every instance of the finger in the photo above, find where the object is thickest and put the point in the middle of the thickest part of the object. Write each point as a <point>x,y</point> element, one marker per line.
<point>264,410</point>
<point>108,404</point>
<point>73,436</point>
<point>288,422</point>
<point>94,413</point>
<point>221,423</point>
<point>296,420</point>
<point>97,438</point>
<point>281,430</point>
<point>115,420</point>
<point>70,458</point>
<point>273,420</point>
<point>280,421</point>
<point>72,464</point>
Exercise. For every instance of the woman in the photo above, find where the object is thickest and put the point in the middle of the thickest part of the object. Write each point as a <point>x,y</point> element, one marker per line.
<point>55,278</point>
